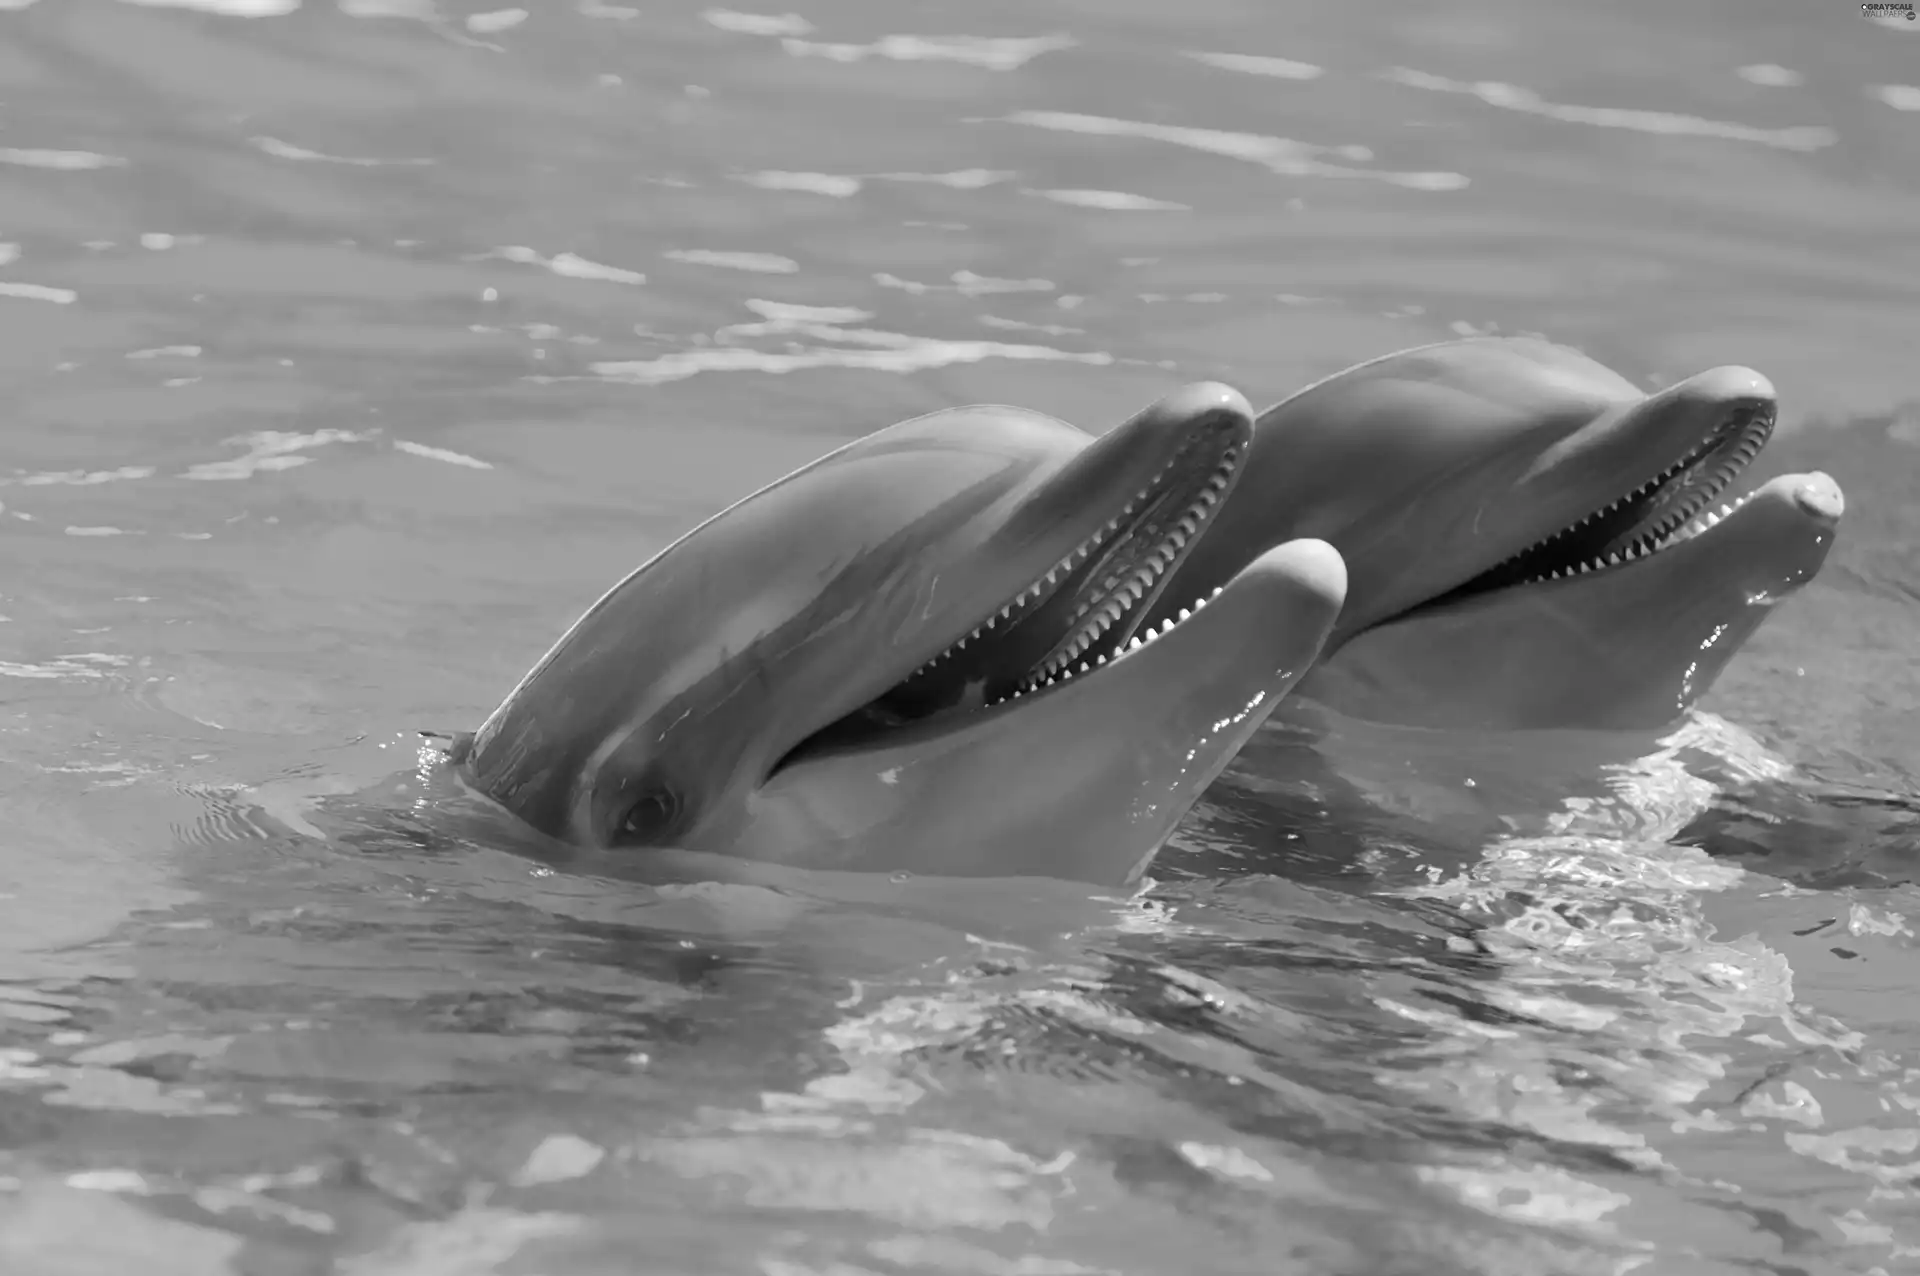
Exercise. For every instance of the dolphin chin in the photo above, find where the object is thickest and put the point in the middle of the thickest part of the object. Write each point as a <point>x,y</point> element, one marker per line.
<point>954,597</point>
<point>1473,486</point>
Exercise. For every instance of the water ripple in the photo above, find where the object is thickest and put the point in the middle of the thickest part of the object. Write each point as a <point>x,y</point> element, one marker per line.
<point>1281,154</point>
<point>1511,97</point>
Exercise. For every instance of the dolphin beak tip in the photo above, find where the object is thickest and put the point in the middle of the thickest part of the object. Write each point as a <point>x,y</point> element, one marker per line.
<point>1820,498</point>
<point>1315,569</point>
<point>1730,383</point>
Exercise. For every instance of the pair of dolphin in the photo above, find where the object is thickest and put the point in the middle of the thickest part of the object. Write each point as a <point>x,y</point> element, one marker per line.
<point>981,642</point>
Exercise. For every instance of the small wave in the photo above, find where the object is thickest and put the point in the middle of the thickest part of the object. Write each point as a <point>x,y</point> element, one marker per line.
<point>1901,97</point>
<point>446,455</point>
<point>86,664</point>
<point>226,8</point>
<point>270,450</point>
<point>287,150</point>
<point>843,347</point>
<point>986,52</point>
<point>1112,201</point>
<point>570,265</point>
<point>774,24</point>
<point>1280,154</point>
<point>965,179</point>
<point>966,283</point>
<point>762,263</point>
<point>498,20</point>
<point>39,292</point>
<point>837,185</point>
<point>69,161</point>
<point>1511,97</point>
<point>79,478</point>
<point>1255,64</point>
<point>1771,75</point>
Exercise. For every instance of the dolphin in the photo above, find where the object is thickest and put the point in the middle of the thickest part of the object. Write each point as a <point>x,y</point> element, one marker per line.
<point>1531,542</point>
<point>924,652</point>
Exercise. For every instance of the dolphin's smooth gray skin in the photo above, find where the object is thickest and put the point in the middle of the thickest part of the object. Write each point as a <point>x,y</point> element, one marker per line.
<point>924,652</point>
<point>1531,542</point>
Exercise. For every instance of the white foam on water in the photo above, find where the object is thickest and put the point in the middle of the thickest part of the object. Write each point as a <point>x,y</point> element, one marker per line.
<point>1512,97</point>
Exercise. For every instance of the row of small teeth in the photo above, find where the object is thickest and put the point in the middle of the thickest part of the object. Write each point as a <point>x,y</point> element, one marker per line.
<point>1139,640</point>
<point>1659,538</point>
<point>1157,561</point>
<point>1649,545</point>
<point>1122,600</point>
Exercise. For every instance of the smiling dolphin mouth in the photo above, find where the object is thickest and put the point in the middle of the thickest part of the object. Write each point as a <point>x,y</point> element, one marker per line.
<point>1082,613</point>
<point>1672,506</point>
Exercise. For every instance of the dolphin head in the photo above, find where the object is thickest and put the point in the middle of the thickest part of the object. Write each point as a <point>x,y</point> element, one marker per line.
<point>956,600</point>
<point>1530,541</point>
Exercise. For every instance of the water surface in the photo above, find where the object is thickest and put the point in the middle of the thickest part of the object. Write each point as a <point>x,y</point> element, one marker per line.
<point>348,350</point>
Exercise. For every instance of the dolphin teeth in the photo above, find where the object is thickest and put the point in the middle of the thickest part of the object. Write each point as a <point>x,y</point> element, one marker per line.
<point>1185,612</point>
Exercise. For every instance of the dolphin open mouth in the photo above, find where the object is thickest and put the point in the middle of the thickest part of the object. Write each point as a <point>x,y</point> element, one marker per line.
<point>1081,614</point>
<point>1672,506</point>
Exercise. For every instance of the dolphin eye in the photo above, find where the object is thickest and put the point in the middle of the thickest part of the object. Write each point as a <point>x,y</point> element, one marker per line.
<point>651,818</point>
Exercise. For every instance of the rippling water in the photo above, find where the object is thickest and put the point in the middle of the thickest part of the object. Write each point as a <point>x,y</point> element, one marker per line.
<point>350,349</point>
